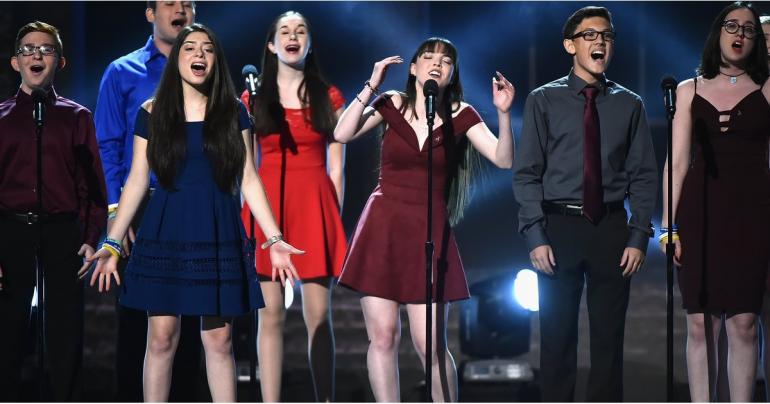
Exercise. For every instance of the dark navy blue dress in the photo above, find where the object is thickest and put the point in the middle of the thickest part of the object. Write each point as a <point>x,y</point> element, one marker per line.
<point>191,254</point>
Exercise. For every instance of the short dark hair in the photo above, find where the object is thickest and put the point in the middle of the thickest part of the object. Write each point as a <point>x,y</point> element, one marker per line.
<point>154,3</point>
<point>39,26</point>
<point>586,12</point>
<point>756,62</point>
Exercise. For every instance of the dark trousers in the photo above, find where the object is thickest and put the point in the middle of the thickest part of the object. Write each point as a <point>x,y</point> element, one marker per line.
<point>585,254</point>
<point>60,243</point>
<point>132,343</point>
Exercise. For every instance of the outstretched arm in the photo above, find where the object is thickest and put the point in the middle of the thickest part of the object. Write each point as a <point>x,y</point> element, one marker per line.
<point>254,194</point>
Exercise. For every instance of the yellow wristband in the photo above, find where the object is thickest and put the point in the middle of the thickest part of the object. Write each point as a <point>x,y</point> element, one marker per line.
<point>111,250</point>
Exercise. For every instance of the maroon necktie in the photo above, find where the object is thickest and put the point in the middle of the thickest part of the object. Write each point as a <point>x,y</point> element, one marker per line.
<point>592,158</point>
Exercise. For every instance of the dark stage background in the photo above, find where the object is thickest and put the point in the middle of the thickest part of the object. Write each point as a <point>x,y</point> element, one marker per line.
<point>520,39</point>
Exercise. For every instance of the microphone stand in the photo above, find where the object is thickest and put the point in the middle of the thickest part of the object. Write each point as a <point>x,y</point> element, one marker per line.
<point>429,249</point>
<point>670,265</point>
<point>253,318</point>
<point>39,269</point>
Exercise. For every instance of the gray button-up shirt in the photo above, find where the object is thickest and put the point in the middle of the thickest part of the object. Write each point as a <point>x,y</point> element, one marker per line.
<point>549,159</point>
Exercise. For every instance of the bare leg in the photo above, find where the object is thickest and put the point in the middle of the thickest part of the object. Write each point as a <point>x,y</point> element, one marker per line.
<point>162,340</point>
<point>383,326</point>
<point>316,298</point>
<point>270,341</point>
<point>444,373</point>
<point>742,356</point>
<point>216,335</point>
<point>698,355</point>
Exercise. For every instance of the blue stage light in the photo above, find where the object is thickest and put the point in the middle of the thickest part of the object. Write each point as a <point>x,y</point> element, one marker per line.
<point>525,290</point>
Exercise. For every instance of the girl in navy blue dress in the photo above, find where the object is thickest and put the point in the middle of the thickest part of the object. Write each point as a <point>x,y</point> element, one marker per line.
<point>191,255</point>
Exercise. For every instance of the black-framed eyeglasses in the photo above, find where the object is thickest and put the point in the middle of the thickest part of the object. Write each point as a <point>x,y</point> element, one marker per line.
<point>29,50</point>
<point>732,27</point>
<point>591,35</point>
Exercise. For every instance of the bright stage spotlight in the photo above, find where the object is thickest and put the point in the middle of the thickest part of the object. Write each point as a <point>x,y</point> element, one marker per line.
<point>525,290</point>
<point>494,323</point>
<point>494,332</point>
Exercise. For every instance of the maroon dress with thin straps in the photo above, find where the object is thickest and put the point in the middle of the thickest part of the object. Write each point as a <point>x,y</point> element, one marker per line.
<point>724,209</point>
<point>386,257</point>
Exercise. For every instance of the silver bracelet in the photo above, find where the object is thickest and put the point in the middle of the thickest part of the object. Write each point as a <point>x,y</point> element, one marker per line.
<point>271,241</point>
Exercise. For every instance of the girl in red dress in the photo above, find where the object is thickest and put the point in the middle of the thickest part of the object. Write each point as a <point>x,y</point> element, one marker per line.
<point>386,260</point>
<point>295,113</point>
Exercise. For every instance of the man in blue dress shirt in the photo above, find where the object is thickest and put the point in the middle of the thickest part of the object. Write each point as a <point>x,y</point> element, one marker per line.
<point>128,82</point>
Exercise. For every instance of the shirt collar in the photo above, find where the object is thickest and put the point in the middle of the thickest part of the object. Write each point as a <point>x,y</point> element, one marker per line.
<point>151,49</point>
<point>25,98</point>
<point>576,84</point>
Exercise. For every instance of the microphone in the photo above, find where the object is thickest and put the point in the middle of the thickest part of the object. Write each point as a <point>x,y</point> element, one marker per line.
<point>251,77</point>
<point>430,91</point>
<point>668,84</point>
<point>38,106</point>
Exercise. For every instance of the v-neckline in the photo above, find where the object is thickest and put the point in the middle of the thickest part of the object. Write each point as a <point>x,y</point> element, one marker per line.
<point>421,147</point>
<point>734,106</point>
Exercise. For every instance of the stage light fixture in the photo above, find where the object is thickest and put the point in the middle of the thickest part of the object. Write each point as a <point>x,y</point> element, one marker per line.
<point>525,290</point>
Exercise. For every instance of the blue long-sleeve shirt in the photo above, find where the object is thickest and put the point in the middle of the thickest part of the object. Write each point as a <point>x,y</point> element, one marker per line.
<point>127,83</point>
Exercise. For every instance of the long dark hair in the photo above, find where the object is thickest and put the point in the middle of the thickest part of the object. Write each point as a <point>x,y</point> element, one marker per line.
<point>465,160</point>
<point>313,91</point>
<point>756,63</point>
<point>222,140</point>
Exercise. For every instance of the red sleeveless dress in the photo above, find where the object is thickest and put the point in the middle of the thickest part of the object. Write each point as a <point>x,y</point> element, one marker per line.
<point>724,211</point>
<point>301,194</point>
<point>387,252</point>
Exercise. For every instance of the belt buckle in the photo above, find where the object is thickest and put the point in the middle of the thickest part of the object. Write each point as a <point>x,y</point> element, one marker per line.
<point>578,207</point>
<point>31,218</point>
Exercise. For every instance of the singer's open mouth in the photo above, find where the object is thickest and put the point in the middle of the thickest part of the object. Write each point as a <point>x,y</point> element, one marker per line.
<point>292,48</point>
<point>738,44</point>
<point>597,54</point>
<point>178,22</point>
<point>198,67</point>
<point>36,68</point>
<point>435,74</point>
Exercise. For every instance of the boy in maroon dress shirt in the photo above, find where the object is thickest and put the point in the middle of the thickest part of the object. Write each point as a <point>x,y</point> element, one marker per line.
<point>72,217</point>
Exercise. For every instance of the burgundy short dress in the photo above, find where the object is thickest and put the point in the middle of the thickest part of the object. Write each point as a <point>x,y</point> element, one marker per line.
<point>386,257</point>
<point>724,211</point>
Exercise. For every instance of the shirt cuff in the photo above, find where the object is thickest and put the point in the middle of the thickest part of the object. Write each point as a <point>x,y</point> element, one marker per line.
<point>535,236</point>
<point>638,239</point>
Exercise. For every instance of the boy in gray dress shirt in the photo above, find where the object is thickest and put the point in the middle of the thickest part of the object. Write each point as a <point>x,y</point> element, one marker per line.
<point>585,147</point>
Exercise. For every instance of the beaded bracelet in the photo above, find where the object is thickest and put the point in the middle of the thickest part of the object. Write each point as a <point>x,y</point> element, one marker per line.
<point>359,100</point>
<point>375,90</point>
<point>271,241</point>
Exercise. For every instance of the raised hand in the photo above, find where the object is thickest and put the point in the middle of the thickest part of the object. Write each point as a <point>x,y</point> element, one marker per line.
<point>280,258</point>
<point>502,92</point>
<point>106,266</point>
<point>381,68</point>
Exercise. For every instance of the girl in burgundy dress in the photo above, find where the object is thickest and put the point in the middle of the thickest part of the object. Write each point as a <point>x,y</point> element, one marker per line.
<point>721,198</point>
<point>386,259</point>
<point>294,114</point>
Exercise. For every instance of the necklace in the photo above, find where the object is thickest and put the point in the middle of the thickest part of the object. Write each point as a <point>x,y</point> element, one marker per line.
<point>733,77</point>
